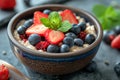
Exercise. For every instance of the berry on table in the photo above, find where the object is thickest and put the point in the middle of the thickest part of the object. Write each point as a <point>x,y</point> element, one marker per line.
<point>78,42</point>
<point>117,29</point>
<point>108,36</point>
<point>53,49</point>
<point>117,68</point>
<point>90,38</point>
<point>69,41</point>
<point>4,72</point>
<point>34,39</point>
<point>47,11</point>
<point>64,48</point>
<point>116,42</point>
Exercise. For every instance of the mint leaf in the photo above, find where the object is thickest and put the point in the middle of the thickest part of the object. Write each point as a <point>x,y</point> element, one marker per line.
<point>55,19</point>
<point>99,10</point>
<point>65,26</point>
<point>45,22</point>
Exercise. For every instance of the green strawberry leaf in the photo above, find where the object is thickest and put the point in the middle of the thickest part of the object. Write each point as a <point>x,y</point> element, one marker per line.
<point>65,26</point>
<point>45,21</point>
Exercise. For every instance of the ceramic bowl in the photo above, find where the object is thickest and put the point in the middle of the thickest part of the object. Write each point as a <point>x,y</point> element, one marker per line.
<point>54,63</point>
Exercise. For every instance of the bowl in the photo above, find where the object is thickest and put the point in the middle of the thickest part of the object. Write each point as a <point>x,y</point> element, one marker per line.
<point>54,63</point>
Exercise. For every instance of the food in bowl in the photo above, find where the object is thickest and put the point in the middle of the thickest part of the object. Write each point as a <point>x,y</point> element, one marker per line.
<point>55,31</point>
<point>53,63</point>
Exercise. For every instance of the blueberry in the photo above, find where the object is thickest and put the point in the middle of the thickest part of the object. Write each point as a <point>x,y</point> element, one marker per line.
<point>69,41</point>
<point>21,30</point>
<point>108,36</point>
<point>117,68</point>
<point>78,42</point>
<point>75,29</point>
<point>117,30</point>
<point>82,25</point>
<point>47,11</point>
<point>91,67</point>
<point>64,48</point>
<point>70,34</point>
<point>28,23</point>
<point>74,24</point>
<point>34,39</point>
<point>90,38</point>
<point>53,48</point>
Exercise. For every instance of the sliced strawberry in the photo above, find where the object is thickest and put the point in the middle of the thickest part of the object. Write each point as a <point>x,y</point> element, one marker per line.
<point>116,42</point>
<point>54,37</point>
<point>42,45</point>
<point>37,28</point>
<point>37,16</point>
<point>4,72</point>
<point>69,15</point>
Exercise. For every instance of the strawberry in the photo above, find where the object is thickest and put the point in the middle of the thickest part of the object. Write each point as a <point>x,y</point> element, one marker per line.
<point>37,16</point>
<point>82,35</point>
<point>7,4</point>
<point>54,37</point>
<point>37,28</point>
<point>69,15</point>
<point>42,45</point>
<point>4,72</point>
<point>116,42</point>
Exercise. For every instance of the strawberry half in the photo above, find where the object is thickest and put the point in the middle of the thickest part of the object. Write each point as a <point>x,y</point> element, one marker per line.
<point>69,15</point>
<point>37,16</point>
<point>54,37</point>
<point>116,42</point>
<point>4,72</point>
<point>37,28</point>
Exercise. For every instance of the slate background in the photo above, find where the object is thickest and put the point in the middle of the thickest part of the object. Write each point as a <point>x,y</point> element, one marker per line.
<point>105,53</point>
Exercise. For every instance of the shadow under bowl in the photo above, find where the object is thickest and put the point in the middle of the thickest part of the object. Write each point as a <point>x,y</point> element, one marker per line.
<point>54,63</point>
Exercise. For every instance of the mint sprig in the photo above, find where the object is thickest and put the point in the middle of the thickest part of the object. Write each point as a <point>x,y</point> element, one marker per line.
<point>54,21</point>
<point>107,15</point>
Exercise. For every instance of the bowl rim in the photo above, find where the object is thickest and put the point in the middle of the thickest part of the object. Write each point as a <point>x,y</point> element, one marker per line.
<point>55,55</point>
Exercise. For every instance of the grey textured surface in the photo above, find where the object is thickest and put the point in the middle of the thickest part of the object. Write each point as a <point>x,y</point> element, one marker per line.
<point>105,53</point>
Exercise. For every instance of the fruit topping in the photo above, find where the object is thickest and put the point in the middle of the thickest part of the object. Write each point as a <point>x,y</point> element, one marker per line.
<point>78,42</point>
<point>90,38</point>
<point>117,30</point>
<point>82,25</point>
<point>69,41</point>
<point>47,11</point>
<point>37,16</point>
<point>28,23</point>
<point>42,45</point>
<point>70,34</point>
<point>21,30</point>
<point>53,49</point>
<point>116,42</point>
<point>34,39</point>
<point>64,48</point>
<point>54,37</point>
<point>4,72</point>
<point>37,28</point>
<point>75,29</point>
<point>69,15</point>
<point>82,35</point>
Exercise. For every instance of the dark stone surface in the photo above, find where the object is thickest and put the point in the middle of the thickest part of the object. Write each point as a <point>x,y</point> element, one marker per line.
<point>106,57</point>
